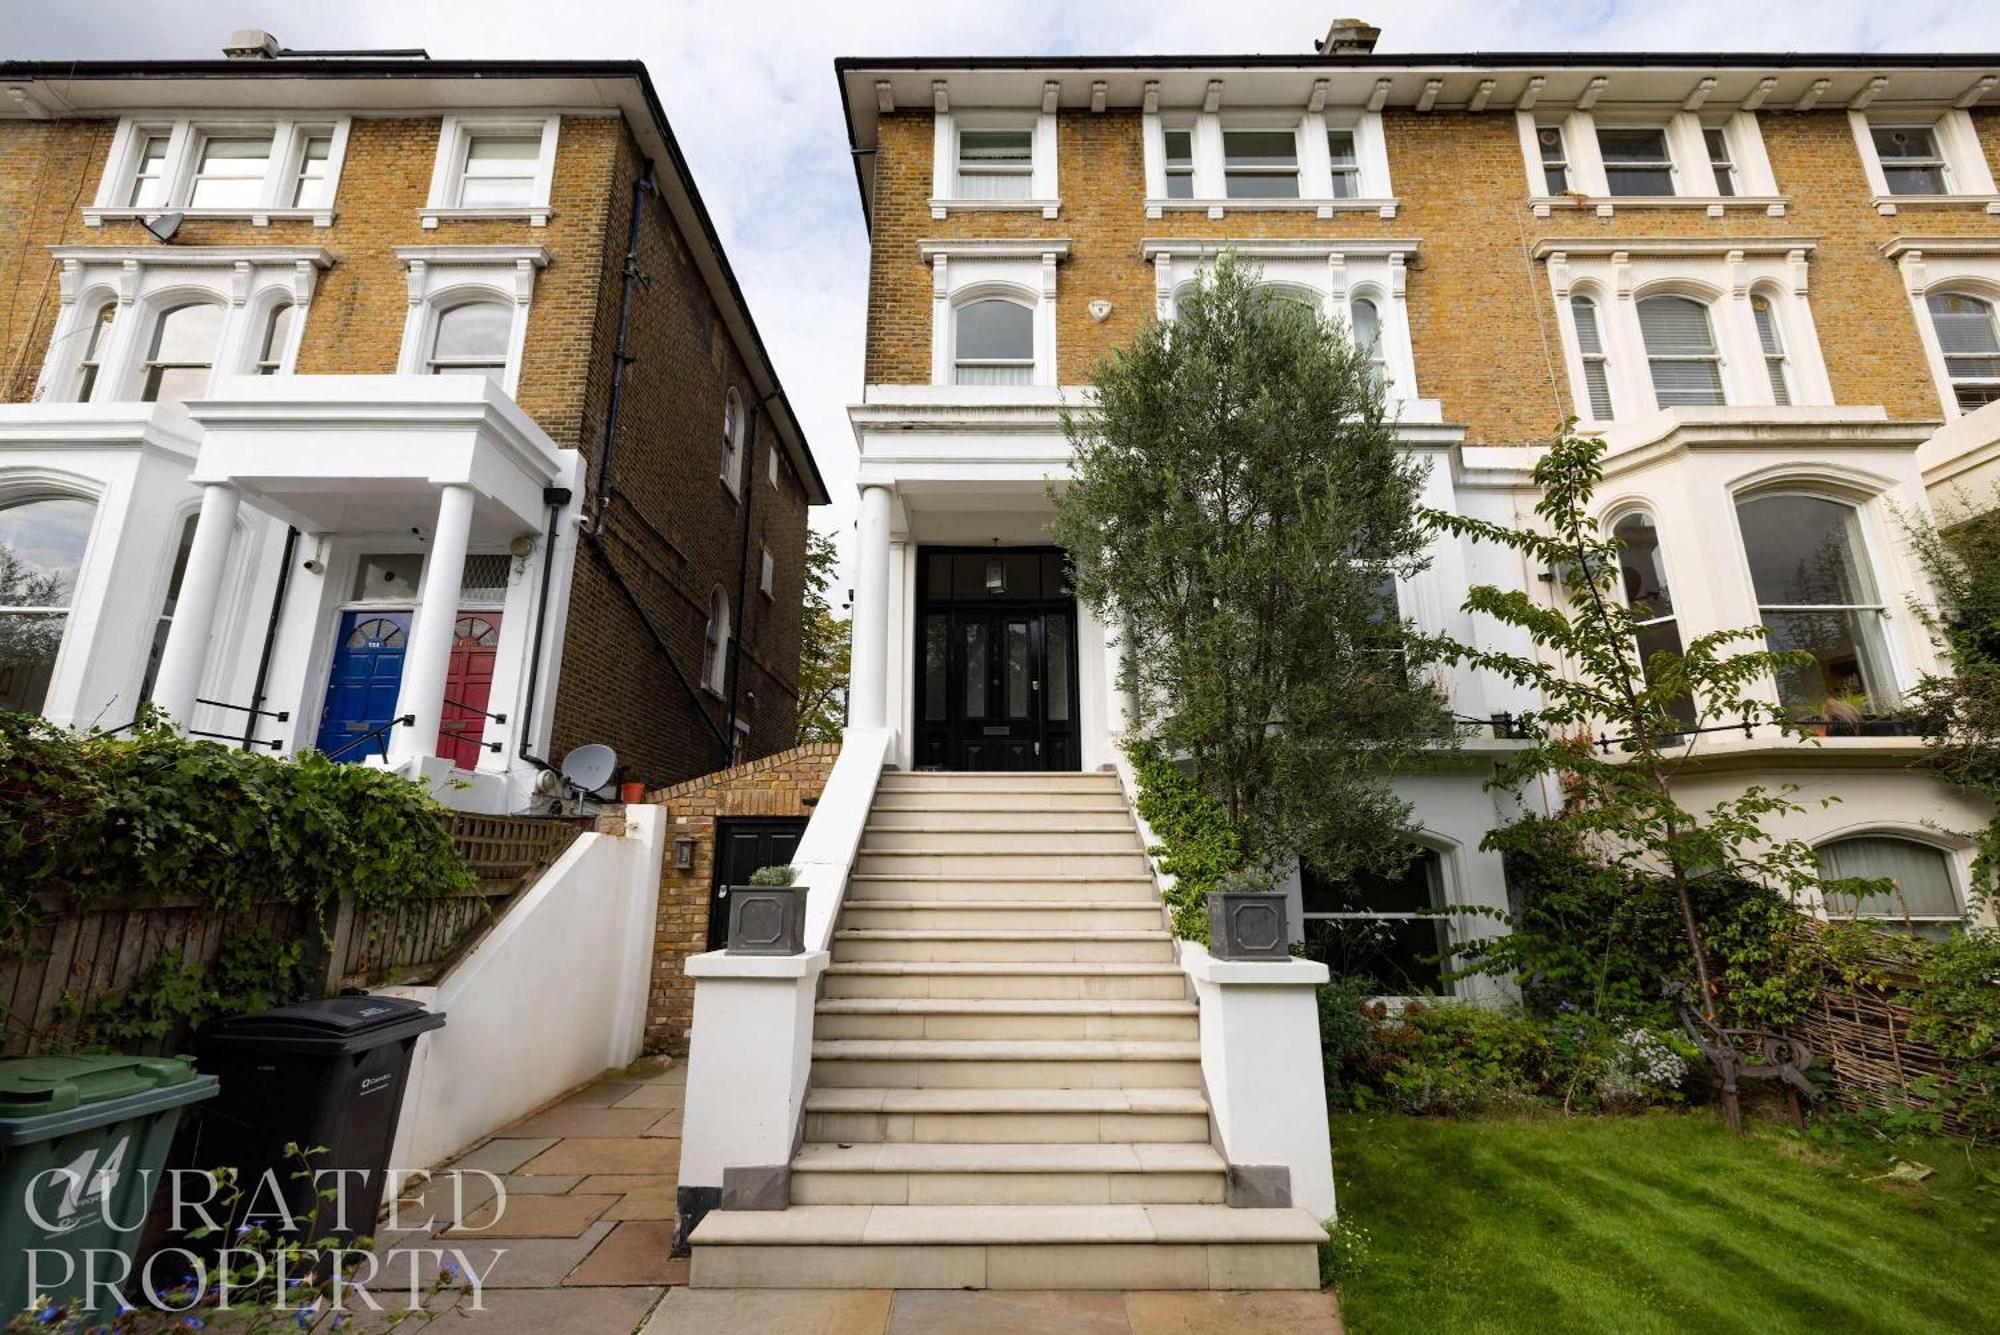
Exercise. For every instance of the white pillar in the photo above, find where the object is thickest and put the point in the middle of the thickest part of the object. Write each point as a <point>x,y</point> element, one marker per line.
<point>421,695</point>
<point>868,679</point>
<point>179,677</point>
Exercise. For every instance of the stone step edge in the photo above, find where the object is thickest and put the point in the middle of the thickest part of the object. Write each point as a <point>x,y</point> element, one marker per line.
<point>1060,1158</point>
<point>1005,1049</point>
<point>1002,905</point>
<point>1122,934</point>
<point>862,1099</point>
<point>1026,968</point>
<point>1007,1225</point>
<point>1119,1006</point>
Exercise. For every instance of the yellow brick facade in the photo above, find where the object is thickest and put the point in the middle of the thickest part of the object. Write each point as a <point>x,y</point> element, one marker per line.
<point>1481,314</point>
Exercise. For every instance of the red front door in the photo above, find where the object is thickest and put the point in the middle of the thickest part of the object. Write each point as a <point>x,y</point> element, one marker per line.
<point>468,685</point>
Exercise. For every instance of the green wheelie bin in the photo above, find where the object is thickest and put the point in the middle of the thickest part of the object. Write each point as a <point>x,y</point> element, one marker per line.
<point>82,1143</point>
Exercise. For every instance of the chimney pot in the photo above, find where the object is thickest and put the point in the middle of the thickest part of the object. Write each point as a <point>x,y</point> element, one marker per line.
<point>250,44</point>
<point>1350,37</point>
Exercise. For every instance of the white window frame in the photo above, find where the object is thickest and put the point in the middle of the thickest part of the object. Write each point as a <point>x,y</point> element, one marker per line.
<point>1955,860</point>
<point>1043,192</point>
<point>1586,408</point>
<point>1016,270</point>
<point>1695,188</point>
<point>1968,174</point>
<point>455,137</point>
<point>1617,272</point>
<point>1374,194</point>
<point>767,574</point>
<point>441,276</point>
<point>1777,348</point>
<point>1440,875</point>
<point>185,134</point>
<point>142,281</point>
<point>735,442</point>
<point>1335,273</point>
<point>715,642</point>
<point>1945,264</point>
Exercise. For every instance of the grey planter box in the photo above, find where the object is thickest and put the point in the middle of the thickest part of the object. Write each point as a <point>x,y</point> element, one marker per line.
<point>767,920</point>
<point>1247,925</point>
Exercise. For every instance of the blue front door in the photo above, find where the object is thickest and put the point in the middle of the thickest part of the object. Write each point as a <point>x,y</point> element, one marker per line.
<point>361,691</point>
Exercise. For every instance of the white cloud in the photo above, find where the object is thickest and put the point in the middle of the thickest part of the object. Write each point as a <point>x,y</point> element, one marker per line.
<point>749,87</point>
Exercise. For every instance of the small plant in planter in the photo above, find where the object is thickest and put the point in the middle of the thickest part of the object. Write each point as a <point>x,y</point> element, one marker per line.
<point>1246,918</point>
<point>768,916</point>
<point>1844,713</point>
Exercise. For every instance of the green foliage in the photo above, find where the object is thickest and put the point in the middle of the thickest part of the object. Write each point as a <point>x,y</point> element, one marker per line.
<point>1199,846</point>
<point>1344,1252</point>
<point>775,876</point>
<point>1344,1026</point>
<point>255,971</point>
<point>1237,502</point>
<point>824,649</point>
<point>1619,802</point>
<point>160,816</point>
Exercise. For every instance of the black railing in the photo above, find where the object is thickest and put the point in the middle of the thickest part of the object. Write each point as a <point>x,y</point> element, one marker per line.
<point>374,734</point>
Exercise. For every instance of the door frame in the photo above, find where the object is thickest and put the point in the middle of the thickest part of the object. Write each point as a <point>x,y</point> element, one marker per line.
<point>924,605</point>
<point>718,906</point>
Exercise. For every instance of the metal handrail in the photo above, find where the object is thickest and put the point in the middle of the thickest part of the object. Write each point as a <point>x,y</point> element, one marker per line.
<point>282,715</point>
<point>406,721</point>
<point>475,709</point>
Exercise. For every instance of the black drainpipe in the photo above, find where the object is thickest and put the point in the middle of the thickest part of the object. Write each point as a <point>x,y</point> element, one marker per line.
<point>743,570</point>
<point>621,357</point>
<point>556,498</point>
<point>271,637</point>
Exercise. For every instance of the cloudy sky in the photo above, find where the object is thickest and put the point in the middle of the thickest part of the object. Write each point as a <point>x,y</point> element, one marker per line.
<point>749,87</point>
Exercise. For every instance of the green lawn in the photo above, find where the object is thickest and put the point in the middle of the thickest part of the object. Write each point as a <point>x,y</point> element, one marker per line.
<point>1657,1223</point>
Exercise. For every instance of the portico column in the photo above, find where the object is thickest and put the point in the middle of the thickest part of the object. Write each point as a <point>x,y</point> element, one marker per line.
<point>868,680</point>
<point>421,695</point>
<point>181,661</point>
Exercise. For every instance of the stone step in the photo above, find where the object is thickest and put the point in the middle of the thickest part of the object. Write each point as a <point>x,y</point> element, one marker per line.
<point>1004,946</point>
<point>1008,1247</point>
<point>981,817</point>
<point>1004,1174</point>
<point>1040,886</point>
<point>1082,915</point>
<point>1004,1064</point>
<point>1107,982</point>
<point>1003,862</point>
<point>946,1018</point>
<point>1055,836</point>
<point>998,802</point>
<point>1007,1116</point>
<point>941,781</point>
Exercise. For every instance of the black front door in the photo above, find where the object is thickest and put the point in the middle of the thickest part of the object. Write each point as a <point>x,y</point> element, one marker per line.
<point>996,670</point>
<point>742,847</point>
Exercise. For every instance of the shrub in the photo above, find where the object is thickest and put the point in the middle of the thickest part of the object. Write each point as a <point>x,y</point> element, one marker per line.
<point>1200,847</point>
<point>774,876</point>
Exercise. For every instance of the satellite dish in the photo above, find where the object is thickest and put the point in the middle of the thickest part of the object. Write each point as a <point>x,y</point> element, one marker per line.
<point>164,226</point>
<point>589,768</point>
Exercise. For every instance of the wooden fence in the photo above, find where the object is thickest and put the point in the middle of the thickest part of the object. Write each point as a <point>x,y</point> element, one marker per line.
<point>73,956</point>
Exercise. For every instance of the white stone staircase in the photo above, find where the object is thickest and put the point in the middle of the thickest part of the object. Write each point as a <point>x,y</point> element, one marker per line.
<point>1006,1083</point>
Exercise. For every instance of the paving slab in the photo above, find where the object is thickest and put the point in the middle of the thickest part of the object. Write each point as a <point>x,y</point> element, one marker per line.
<point>613,1184</point>
<point>651,1203</point>
<point>670,1125</point>
<point>532,1217</point>
<point>635,1254</point>
<point>1018,1312</point>
<point>1219,1313</point>
<point>772,1312</point>
<point>503,1154</point>
<point>513,1263</point>
<point>552,1312</point>
<point>658,1095</point>
<point>603,1094</point>
<point>578,1120</point>
<point>608,1154</point>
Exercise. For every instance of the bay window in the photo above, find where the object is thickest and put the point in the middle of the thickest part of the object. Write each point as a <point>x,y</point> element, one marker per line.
<point>1815,592</point>
<point>1642,575</point>
<point>1596,362</point>
<point>1384,929</point>
<point>1966,334</point>
<point>42,542</point>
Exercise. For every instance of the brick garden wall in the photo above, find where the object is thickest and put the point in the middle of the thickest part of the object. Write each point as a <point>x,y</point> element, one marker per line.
<point>778,785</point>
<point>1478,305</point>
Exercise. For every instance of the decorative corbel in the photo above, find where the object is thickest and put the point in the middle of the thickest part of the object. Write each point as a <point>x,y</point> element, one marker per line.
<point>1380,97</point>
<point>415,280</point>
<point>1970,97</point>
<point>1336,276</point>
<point>1760,92</point>
<point>1480,96</point>
<point>239,282</point>
<point>1916,277</point>
<point>1812,95</point>
<point>885,97</point>
<point>1591,92</point>
<point>1051,97</point>
<point>1531,94</point>
<point>1736,275</point>
<point>1702,88</point>
<point>305,279</point>
<point>1099,93</point>
<point>68,280</point>
<point>1149,98</point>
<point>524,281</point>
<point>1559,275</point>
<point>1621,274</point>
<point>1316,100</point>
<point>940,278</point>
<point>1871,91</point>
<point>1397,273</point>
<point>1429,97</point>
<point>1795,260</point>
<point>1163,285</point>
<point>1048,275</point>
<point>940,97</point>
<point>1211,101</point>
<point>128,282</point>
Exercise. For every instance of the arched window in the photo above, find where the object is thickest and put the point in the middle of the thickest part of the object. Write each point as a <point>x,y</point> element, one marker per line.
<point>277,339</point>
<point>1919,895</point>
<point>164,622</point>
<point>1680,351</point>
<point>715,642</point>
<point>1368,337</point>
<point>731,466</point>
<point>1596,366</point>
<point>1966,335</point>
<point>1809,566</point>
<point>994,343</point>
<point>182,352</point>
<point>1642,572</point>
<point>91,361</point>
<point>42,543</point>
<point>472,338</point>
<point>1772,340</point>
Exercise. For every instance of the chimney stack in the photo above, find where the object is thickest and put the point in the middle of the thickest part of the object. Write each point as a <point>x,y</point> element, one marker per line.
<point>1350,37</point>
<point>250,44</point>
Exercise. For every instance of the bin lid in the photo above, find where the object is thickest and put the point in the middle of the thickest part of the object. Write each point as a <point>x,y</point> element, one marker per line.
<point>342,1024</point>
<point>37,1086</point>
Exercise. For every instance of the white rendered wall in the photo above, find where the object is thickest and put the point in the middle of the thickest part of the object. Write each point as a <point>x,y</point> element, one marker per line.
<point>553,996</point>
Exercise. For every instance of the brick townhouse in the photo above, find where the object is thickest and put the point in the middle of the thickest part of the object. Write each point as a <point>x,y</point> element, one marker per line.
<point>299,348</point>
<point>1768,282</point>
